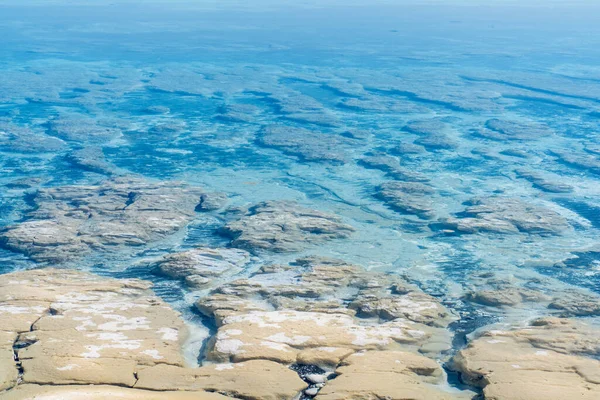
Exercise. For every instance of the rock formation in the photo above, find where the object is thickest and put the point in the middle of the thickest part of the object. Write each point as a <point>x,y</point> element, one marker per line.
<point>549,360</point>
<point>199,267</point>
<point>60,327</point>
<point>507,215</point>
<point>323,313</point>
<point>284,226</point>
<point>408,197</point>
<point>70,222</point>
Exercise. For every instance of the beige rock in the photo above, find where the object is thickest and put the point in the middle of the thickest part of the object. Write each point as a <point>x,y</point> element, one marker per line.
<point>19,316</point>
<point>327,357</point>
<point>390,375</point>
<point>100,392</point>
<point>283,335</point>
<point>73,370</point>
<point>290,316</point>
<point>219,306</point>
<point>540,362</point>
<point>8,369</point>
<point>75,328</point>
<point>82,329</point>
<point>258,379</point>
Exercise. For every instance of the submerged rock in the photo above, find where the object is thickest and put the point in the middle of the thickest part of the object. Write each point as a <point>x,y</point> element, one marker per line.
<point>499,129</point>
<point>557,300</point>
<point>244,113</point>
<point>80,128</point>
<point>507,215</point>
<point>157,110</point>
<point>548,360</point>
<point>438,141</point>
<point>321,118</point>
<point>212,201</point>
<point>391,165</point>
<point>382,162</point>
<point>70,222</point>
<point>426,127</point>
<point>199,267</point>
<point>24,140</point>
<point>516,153</point>
<point>586,162</point>
<point>408,197</point>
<point>544,184</point>
<point>506,296</point>
<point>91,159</point>
<point>308,145</point>
<point>284,226</point>
<point>407,148</point>
<point>576,303</point>
<point>433,136</point>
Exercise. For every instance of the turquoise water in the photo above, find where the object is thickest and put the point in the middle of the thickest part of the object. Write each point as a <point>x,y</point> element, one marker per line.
<point>473,101</point>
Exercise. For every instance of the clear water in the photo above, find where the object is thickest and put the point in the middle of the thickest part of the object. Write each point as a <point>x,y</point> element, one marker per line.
<point>333,68</point>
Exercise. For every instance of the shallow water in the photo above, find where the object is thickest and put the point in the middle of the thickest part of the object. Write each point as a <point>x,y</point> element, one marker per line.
<point>359,78</point>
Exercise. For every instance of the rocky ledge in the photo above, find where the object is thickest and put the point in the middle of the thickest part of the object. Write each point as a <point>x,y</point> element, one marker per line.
<point>318,328</point>
<point>360,335</point>
<point>552,359</point>
<point>67,334</point>
<point>62,331</point>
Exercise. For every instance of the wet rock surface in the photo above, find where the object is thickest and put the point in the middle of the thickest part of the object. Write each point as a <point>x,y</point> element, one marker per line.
<point>284,226</point>
<point>91,159</point>
<point>70,222</point>
<point>550,359</point>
